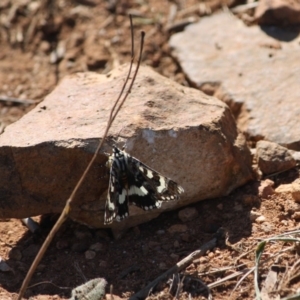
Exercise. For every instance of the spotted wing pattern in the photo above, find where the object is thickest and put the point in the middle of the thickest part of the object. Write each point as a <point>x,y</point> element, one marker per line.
<point>133,182</point>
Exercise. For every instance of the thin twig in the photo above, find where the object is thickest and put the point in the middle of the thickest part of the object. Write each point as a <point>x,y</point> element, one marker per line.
<point>17,100</point>
<point>229,277</point>
<point>221,270</point>
<point>179,287</point>
<point>76,266</point>
<point>114,111</point>
<point>176,268</point>
<point>241,280</point>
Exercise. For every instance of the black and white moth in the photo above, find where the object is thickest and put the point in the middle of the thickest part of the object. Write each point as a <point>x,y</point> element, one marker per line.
<point>133,182</point>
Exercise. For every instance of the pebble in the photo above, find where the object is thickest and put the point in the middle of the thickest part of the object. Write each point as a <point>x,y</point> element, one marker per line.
<point>174,256</point>
<point>188,214</point>
<point>260,219</point>
<point>162,266</point>
<point>62,244</point>
<point>4,267</point>
<point>102,264</point>
<point>177,228</point>
<point>266,227</point>
<point>176,244</point>
<point>220,206</point>
<point>254,215</point>
<point>80,234</point>
<point>238,207</point>
<point>160,232</point>
<point>203,259</point>
<point>296,190</point>
<point>283,188</point>
<point>96,247</point>
<point>266,189</point>
<point>296,216</point>
<point>89,254</point>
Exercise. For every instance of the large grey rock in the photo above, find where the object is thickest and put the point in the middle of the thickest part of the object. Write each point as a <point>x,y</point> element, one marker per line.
<point>254,70</point>
<point>181,132</point>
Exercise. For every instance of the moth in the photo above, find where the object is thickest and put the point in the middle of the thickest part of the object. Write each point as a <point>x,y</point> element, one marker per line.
<point>131,181</point>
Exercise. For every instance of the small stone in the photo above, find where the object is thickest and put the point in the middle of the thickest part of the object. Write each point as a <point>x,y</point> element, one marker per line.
<point>260,219</point>
<point>254,215</point>
<point>220,206</point>
<point>211,255</point>
<point>174,256</point>
<point>96,247</point>
<point>176,244</point>
<point>188,214</point>
<point>45,46</point>
<point>203,259</point>
<point>89,254</point>
<point>62,244</point>
<point>15,254</point>
<point>81,235</point>
<point>4,267</point>
<point>273,158</point>
<point>296,216</point>
<point>296,190</point>
<point>160,232</point>
<point>266,227</point>
<point>102,264</point>
<point>265,188</point>
<point>238,207</point>
<point>162,266</point>
<point>284,188</point>
<point>177,228</point>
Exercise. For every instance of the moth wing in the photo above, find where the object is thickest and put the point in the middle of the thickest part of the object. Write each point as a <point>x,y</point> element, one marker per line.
<point>150,187</point>
<point>116,206</point>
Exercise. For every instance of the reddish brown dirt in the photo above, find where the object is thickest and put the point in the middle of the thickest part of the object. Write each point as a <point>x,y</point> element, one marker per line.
<point>92,37</point>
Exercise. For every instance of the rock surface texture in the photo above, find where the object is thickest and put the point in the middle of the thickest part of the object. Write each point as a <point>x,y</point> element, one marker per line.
<point>180,132</point>
<point>254,70</point>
